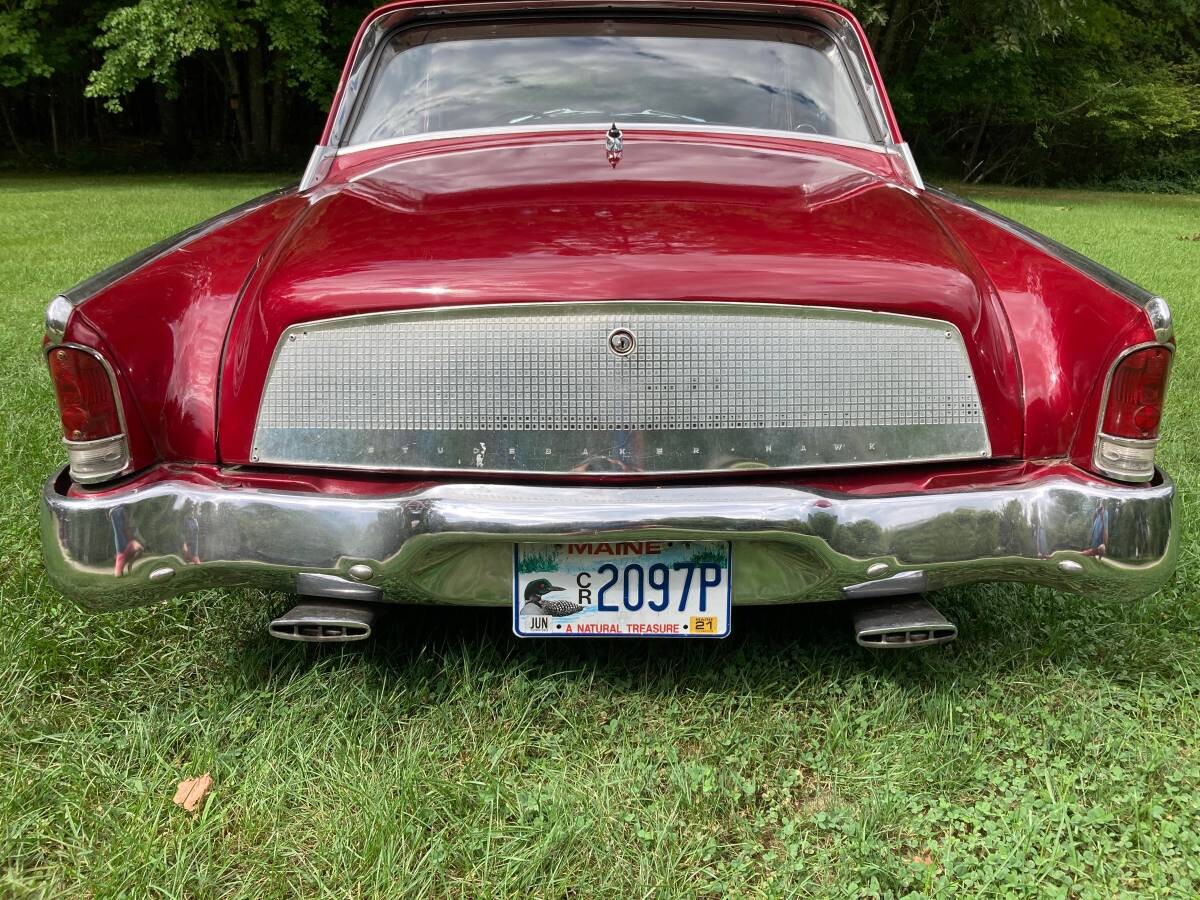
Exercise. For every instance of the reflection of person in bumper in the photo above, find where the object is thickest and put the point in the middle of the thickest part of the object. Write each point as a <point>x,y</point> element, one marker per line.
<point>1039,536</point>
<point>127,545</point>
<point>191,536</point>
<point>1099,538</point>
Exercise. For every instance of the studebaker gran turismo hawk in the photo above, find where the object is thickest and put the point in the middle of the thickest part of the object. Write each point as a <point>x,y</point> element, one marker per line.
<point>619,314</point>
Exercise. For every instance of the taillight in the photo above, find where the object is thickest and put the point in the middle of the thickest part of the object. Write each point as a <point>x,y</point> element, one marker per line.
<point>85,395</point>
<point>90,413</point>
<point>1132,412</point>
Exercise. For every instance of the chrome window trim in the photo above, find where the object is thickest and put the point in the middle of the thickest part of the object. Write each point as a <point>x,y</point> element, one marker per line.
<point>838,26</point>
<point>1155,307</point>
<point>695,140</point>
<point>1129,442</point>
<point>121,421</point>
<point>601,127</point>
<point>984,450</point>
<point>905,153</point>
<point>318,166</point>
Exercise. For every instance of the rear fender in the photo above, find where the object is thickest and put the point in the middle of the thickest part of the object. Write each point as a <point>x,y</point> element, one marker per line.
<point>160,320</point>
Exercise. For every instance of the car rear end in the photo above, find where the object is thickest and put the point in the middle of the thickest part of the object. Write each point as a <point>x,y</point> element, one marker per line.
<point>618,387</point>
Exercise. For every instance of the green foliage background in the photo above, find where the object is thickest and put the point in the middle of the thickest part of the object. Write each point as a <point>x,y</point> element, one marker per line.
<point>1062,91</point>
<point>1032,91</point>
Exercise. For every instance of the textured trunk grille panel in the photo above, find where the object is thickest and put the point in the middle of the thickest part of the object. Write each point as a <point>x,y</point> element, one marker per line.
<point>536,388</point>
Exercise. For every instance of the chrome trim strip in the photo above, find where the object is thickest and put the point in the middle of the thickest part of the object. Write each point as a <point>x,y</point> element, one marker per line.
<point>910,163</point>
<point>1112,370</point>
<point>305,422</point>
<point>836,24</point>
<point>90,286</point>
<point>1161,320</point>
<point>58,313</point>
<point>1156,309</point>
<point>694,141</point>
<point>318,167</point>
<point>601,128</point>
<point>452,543</point>
<point>116,389</point>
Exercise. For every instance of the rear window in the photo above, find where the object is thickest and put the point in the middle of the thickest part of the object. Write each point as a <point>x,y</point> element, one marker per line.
<point>455,77</point>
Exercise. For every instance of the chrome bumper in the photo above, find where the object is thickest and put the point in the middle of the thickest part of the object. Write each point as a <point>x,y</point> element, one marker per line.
<point>452,543</point>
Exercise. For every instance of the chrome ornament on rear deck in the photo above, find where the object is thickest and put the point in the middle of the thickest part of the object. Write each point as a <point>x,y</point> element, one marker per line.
<point>614,145</point>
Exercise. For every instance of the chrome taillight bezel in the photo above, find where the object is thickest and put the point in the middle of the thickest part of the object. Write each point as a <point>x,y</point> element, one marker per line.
<point>1105,441</point>
<point>106,458</point>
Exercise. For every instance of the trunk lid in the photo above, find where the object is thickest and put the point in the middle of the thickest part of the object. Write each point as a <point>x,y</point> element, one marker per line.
<point>553,222</point>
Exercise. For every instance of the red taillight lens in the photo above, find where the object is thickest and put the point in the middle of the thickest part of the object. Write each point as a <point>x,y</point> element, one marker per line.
<point>1136,394</point>
<point>86,402</point>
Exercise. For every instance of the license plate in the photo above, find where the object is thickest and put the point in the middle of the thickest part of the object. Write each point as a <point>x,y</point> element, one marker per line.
<point>622,589</point>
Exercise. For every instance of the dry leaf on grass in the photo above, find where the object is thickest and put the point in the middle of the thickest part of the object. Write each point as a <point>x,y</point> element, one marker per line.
<point>192,791</point>
<point>923,859</point>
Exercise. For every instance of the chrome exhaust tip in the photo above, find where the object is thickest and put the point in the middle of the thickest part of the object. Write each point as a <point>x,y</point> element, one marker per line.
<point>912,622</point>
<point>321,623</point>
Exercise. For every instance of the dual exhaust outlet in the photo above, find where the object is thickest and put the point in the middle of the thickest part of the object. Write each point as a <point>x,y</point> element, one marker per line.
<point>885,624</point>
<point>904,623</point>
<point>333,610</point>
<point>324,623</point>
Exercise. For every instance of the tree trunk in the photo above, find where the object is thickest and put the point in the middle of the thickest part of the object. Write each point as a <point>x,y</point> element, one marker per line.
<point>278,110</point>
<point>170,125</point>
<point>53,126</point>
<point>236,104</point>
<point>99,121</point>
<point>973,153</point>
<point>879,27</point>
<point>260,128</point>
<point>12,134</point>
<point>888,51</point>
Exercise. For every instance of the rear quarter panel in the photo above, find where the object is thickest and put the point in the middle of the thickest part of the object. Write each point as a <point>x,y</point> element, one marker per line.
<point>1068,330</point>
<point>163,328</point>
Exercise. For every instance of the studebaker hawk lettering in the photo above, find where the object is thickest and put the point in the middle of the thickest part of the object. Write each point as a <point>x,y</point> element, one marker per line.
<point>621,315</point>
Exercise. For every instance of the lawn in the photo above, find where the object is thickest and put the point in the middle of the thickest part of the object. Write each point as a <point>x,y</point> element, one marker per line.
<point>1053,748</point>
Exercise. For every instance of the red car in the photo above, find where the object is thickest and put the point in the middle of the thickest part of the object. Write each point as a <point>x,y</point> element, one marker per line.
<point>618,314</point>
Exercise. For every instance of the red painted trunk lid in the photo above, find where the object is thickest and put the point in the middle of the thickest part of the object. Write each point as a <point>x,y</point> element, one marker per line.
<point>675,220</point>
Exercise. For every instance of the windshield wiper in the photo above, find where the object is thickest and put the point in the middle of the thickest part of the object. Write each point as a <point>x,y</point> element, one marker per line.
<point>567,111</point>
<point>551,113</point>
<point>658,113</point>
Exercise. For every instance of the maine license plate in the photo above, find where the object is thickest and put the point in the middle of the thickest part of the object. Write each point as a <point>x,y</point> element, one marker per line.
<point>622,589</point>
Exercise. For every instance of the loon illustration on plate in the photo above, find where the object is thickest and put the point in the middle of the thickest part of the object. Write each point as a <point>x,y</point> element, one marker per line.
<point>536,603</point>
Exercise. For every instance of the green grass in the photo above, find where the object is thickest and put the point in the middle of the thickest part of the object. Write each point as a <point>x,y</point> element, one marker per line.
<point>1053,748</point>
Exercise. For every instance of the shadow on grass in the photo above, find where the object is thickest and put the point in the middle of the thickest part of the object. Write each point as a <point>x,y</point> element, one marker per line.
<point>772,650</point>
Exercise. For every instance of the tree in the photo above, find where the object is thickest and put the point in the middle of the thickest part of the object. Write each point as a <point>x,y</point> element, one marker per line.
<point>258,48</point>
<point>1042,89</point>
<point>22,49</point>
<point>21,55</point>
